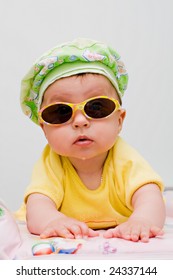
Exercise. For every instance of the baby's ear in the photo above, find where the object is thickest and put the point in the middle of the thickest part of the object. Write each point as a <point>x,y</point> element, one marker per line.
<point>121,117</point>
<point>42,127</point>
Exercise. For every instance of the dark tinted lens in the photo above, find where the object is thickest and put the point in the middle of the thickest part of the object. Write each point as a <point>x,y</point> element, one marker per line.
<point>99,108</point>
<point>57,114</point>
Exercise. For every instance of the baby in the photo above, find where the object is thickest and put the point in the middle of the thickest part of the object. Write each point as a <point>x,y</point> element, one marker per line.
<point>88,177</point>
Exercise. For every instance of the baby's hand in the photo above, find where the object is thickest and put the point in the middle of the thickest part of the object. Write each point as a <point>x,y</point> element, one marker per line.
<point>134,230</point>
<point>68,228</point>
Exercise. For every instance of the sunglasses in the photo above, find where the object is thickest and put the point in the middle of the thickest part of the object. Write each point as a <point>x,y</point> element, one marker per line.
<point>59,113</point>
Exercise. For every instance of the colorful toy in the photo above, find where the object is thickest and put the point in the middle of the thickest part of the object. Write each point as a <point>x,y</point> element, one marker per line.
<point>43,248</point>
<point>55,247</point>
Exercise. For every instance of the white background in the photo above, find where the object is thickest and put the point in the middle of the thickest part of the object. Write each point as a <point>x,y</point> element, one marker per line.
<point>141,31</point>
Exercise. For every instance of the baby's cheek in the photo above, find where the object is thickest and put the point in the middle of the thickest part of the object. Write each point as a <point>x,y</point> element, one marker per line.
<point>56,138</point>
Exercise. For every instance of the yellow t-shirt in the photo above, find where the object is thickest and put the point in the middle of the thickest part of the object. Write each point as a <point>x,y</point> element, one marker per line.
<point>110,204</point>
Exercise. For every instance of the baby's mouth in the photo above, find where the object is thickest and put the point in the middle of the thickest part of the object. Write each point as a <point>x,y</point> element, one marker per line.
<point>83,141</point>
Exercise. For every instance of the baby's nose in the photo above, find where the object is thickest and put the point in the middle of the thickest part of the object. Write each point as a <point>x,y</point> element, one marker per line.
<point>80,120</point>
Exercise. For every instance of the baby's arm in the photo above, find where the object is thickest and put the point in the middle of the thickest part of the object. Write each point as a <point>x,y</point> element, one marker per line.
<point>148,217</point>
<point>44,219</point>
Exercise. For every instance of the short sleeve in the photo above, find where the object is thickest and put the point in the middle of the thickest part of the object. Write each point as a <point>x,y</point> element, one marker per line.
<point>133,172</point>
<point>47,177</point>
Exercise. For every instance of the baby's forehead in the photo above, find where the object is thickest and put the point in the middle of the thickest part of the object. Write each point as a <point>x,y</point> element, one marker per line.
<point>93,80</point>
<point>84,78</point>
<point>98,80</point>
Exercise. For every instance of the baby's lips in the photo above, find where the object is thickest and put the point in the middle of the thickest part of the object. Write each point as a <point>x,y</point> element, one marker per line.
<point>82,138</point>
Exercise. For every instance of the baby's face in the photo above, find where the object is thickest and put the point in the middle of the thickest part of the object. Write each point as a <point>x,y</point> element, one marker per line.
<point>82,138</point>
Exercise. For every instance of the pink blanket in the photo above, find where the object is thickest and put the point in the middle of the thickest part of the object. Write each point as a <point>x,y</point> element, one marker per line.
<point>96,248</point>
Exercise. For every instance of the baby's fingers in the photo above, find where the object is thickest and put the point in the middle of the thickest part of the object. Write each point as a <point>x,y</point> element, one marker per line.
<point>110,233</point>
<point>156,231</point>
<point>152,232</point>
<point>92,233</point>
<point>48,233</point>
<point>77,230</point>
<point>51,232</point>
<point>81,230</point>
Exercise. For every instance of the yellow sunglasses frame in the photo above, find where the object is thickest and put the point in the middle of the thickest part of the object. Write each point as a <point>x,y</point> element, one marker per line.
<point>78,106</point>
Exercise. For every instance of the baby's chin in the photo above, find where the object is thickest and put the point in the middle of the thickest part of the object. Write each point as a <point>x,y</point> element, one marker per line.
<point>89,157</point>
